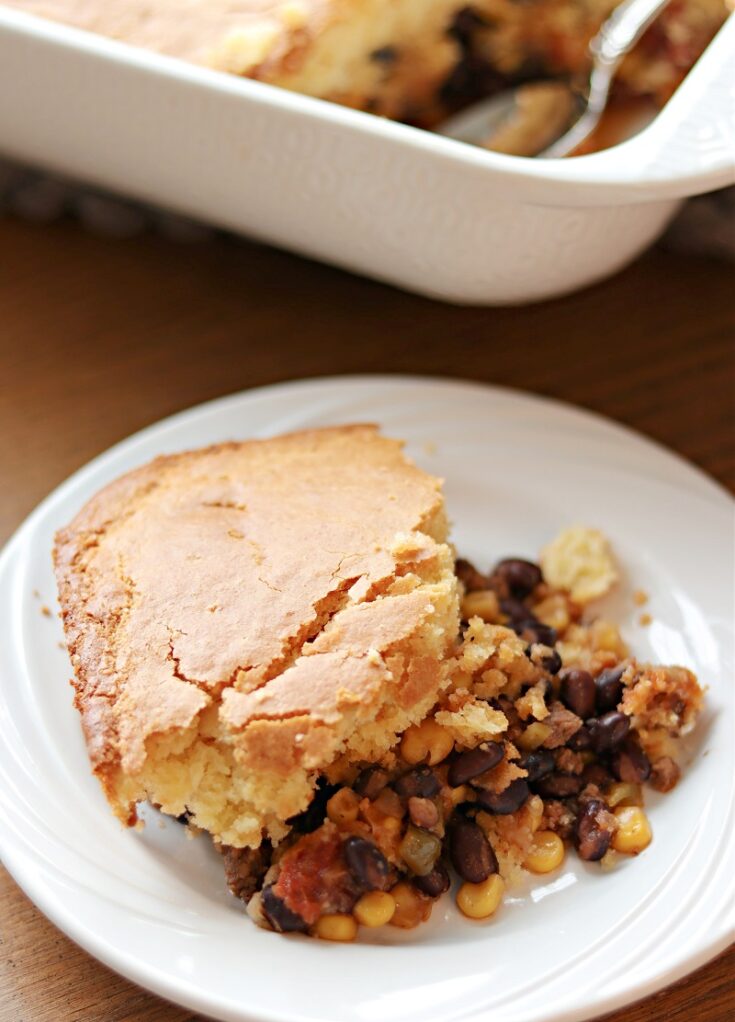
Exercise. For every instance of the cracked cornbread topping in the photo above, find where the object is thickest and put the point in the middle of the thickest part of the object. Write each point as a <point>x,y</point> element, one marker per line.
<point>242,616</point>
<point>273,642</point>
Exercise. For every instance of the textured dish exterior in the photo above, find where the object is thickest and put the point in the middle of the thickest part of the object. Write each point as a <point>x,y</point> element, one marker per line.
<point>385,200</point>
<point>152,905</point>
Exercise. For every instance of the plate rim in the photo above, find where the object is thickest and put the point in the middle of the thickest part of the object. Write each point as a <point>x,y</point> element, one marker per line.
<point>152,977</point>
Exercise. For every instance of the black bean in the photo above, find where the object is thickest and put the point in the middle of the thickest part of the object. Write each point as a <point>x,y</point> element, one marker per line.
<point>366,863</point>
<point>470,78</point>
<point>537,764</point>
<point>609,688</point>
<point>533,630</point>
<point>515,609</point>
<point>421,782</point>
<point>558,785</point>
<point>384,55</point>
<point>577,692</point>
<point>279,915</point>
<point>630,763</point>
<point>469,576</point>
<point>592,836</point>
<point>507,801</point>
<point>608,730</point>
<point>521,577</point>
<point>551,662</point>
<point>474,762</point>
<point>434,883</point>
<point>471,853</point>
<point>581,740</point>
<point>314,814</point>
<point>370,782</point>
<point>596,773</point>
<point>466,22</point>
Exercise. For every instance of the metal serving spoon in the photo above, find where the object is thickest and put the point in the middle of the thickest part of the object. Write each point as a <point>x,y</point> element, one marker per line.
<point>551,118</point>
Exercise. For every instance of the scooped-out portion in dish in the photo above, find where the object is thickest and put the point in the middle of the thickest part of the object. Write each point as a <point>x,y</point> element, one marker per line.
<point>272,641</point>
<point>411,60</point>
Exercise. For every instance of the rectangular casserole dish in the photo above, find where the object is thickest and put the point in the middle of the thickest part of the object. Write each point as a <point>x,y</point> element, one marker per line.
<point>376,197</point>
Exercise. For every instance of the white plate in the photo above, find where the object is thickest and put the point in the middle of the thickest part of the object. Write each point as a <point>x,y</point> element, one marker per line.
<point>153,906</point>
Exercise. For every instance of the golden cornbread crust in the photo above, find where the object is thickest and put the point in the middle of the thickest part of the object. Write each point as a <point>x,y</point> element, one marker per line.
<point>240,616</point>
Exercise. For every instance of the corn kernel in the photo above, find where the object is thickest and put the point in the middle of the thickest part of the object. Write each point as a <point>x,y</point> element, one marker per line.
<point>463,793</point>
<point>412,907</point>
<point>376,908</point>
<point>336,927</point>
<point>553,611</point>
<point>427,742</point>
<point>546,852</point>
<point>480,901</point>
<point>534,811</point>
<point>292,15</point>
<point>534,736</point>
<point>343,806</point>
<point>606,636</point>
<point>624,793</point>
<point>634,830</point>
<point>482,603</point>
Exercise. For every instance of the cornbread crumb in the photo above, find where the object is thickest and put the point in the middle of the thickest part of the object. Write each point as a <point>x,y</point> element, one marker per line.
<point>640,597</point>
<point>293,14</point>
<point>662,698</point>
<point>511,837</point>
<point>580,560</point>
<point>533,703</point>
<point>475,722</point>
<point>644,620</point>
<point>592,647</point>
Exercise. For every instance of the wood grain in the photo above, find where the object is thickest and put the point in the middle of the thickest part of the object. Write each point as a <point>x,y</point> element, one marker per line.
<point>98,339</point>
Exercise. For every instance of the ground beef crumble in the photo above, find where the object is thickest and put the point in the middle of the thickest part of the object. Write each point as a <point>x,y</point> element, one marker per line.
<point>563,725</point>
<point>664,774</point>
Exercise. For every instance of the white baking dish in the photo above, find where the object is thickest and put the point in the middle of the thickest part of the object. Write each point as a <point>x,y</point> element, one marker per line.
<point>392,202</point>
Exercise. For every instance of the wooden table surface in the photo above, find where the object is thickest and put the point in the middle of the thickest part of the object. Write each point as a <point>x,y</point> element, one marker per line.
<point>100,338</point>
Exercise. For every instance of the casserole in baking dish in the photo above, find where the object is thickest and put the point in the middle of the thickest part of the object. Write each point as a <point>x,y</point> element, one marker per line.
<point>412,60</point>
<point>380,198</point>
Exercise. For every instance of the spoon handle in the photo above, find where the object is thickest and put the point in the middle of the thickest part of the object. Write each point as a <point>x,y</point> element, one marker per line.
<point>623,29</point>
<point>616,38</point>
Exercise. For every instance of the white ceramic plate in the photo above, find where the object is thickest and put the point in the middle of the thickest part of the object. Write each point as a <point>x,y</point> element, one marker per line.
<point>152,905</point>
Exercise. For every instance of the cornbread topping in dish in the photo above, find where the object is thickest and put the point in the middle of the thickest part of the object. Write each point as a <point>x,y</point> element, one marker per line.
<point>414,60</point>
<point>273,642</point>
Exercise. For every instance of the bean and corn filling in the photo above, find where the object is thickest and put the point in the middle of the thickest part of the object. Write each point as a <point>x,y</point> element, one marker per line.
<point>541,744</point>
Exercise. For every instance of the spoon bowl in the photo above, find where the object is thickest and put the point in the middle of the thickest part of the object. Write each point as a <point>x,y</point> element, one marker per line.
<point>551,118</point>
